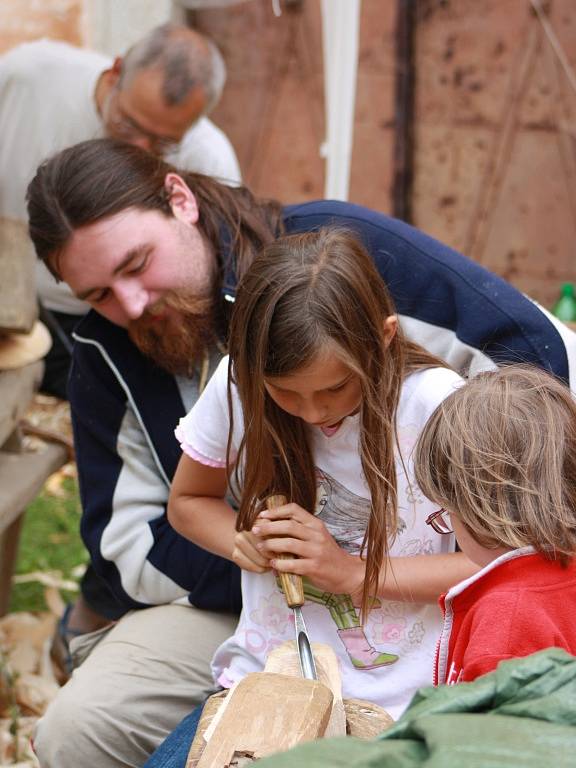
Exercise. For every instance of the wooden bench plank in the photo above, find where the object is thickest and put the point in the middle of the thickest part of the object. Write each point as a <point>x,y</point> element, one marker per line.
<point>18,307</point>
<point>22,475</point>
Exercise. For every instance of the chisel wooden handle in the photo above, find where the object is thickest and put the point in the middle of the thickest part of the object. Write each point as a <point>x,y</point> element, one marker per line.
<point>291,583</point>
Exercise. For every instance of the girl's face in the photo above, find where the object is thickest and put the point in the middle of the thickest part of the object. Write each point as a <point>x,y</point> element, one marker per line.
<point>321,393</point>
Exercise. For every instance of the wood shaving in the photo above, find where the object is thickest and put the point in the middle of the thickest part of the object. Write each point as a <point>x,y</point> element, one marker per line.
<point>27,680</point>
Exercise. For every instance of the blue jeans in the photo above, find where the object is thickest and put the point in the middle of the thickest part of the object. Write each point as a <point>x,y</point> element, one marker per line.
<point>173,752</point>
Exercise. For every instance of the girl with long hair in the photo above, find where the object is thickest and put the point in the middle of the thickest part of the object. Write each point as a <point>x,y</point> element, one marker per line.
<point>499,457</point>
<point>322,400</point>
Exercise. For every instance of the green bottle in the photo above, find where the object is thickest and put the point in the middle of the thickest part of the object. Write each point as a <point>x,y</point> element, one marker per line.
<point>565,307</point>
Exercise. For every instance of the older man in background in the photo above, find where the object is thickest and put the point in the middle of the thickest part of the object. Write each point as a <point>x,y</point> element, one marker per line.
<point>157,96</point>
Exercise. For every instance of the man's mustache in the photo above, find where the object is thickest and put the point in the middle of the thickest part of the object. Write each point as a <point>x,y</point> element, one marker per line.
<point>175,331</point>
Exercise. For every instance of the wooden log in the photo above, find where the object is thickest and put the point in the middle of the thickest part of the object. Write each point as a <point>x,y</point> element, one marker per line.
<point>275,705</point>
<point>365,720</point>
<point>267,713</point>
<point>354,717</point>
<point>18,305</point>
<point>211,707</point>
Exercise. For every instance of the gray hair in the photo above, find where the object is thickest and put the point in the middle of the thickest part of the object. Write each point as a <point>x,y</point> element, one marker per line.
<point>187,59</point>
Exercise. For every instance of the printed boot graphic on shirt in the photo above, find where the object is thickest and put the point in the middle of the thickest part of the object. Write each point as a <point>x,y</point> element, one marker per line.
<point>346,516</point>
<point>361,653</point>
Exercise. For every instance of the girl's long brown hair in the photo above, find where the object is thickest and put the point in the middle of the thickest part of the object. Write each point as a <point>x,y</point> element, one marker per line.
<point>500,454</point>
<point>301,294</point>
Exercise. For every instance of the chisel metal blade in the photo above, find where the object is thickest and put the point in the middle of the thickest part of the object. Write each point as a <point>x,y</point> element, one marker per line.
<point>293,589</point>
<point>307,665</point>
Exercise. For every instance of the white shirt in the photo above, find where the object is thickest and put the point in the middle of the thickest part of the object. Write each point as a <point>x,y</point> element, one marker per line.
<point>392,655</point>
<point>47,104</point>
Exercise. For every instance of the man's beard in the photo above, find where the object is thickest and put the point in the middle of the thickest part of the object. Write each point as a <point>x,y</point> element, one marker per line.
<point>178,340</point>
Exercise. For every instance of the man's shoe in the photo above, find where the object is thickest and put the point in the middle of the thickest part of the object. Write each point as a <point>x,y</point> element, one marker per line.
<point>60,648</point>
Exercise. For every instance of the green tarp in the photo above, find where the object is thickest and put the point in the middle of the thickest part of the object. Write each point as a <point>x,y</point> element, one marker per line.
<point>523,715</point>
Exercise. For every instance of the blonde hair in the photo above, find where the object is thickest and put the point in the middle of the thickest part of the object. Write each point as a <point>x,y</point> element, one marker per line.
<point>302,293</point>
<point>500,454</point>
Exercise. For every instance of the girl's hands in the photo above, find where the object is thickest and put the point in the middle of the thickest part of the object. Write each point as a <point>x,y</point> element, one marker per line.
<point>294,531</point>
<point>247,555</point>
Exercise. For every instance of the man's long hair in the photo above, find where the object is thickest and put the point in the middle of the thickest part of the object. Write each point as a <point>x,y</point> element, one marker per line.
<point>99,178</point>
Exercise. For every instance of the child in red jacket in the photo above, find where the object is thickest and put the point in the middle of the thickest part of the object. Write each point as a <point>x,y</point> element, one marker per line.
<point>499,457</point>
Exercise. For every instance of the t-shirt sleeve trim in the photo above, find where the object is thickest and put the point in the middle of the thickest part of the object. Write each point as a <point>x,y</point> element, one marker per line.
<point>194,453</point>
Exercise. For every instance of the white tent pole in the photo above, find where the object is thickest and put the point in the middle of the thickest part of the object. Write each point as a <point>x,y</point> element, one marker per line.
<point>112,27</point>
<point>340,33</point>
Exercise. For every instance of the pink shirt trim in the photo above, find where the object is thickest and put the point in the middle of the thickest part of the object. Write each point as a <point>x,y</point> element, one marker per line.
<point>193,453</point>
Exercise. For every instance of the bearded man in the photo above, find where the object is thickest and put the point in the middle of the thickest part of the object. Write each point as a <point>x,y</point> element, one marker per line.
<point>156,96</point>
<point>157,253</point>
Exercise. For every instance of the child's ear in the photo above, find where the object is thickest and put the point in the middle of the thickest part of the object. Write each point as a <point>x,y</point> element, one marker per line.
<point>390,328</point>
<point>182,200</point>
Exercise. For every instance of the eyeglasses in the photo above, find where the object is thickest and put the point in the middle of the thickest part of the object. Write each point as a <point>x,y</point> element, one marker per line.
<point>125,127</point>
<point>440,521</point>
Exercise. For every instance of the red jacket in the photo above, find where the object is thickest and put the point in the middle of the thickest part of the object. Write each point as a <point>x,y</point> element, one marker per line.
<point>518,604</point>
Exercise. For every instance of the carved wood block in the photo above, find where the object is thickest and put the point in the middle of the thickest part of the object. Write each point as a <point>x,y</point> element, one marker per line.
<point>353,717</point>
<point>18,307</point>
<point>275,704</point>
<point>284,660</point>
<point>267,713</point>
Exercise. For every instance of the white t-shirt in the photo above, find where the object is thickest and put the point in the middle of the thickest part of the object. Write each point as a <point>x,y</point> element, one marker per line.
<point>47,104</point>
<point>392,655</point>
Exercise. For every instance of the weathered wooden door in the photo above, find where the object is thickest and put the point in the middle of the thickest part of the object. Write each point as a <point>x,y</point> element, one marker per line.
<point>493,152</point>
<point>494,164</point>
<point>492,129</point>
<point>273,105</point>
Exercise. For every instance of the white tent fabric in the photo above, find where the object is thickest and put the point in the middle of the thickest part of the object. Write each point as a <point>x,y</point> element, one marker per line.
<point>340,33</point>
<point>193,4</point>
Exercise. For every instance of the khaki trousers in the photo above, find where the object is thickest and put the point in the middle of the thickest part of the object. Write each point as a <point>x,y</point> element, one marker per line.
<point>136,682</point>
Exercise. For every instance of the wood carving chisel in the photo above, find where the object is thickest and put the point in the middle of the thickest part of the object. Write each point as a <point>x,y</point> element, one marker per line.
<point>293,589</point>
